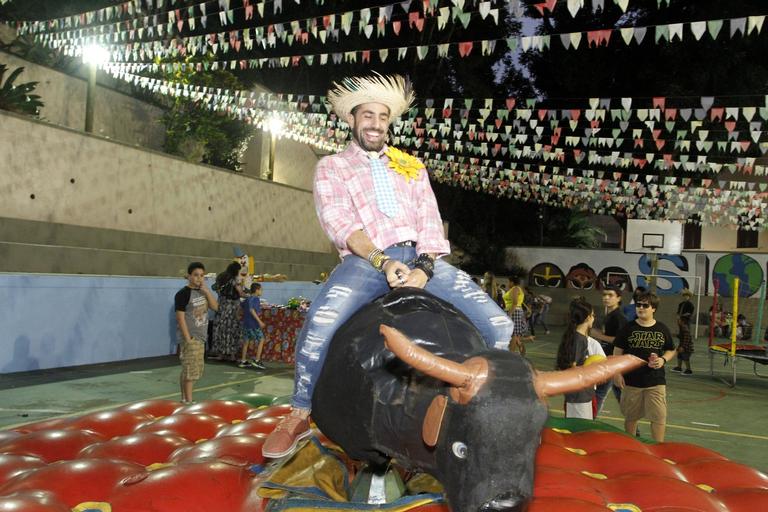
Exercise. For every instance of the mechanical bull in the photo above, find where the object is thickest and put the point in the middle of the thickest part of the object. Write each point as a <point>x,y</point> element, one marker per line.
<point>436,398</point>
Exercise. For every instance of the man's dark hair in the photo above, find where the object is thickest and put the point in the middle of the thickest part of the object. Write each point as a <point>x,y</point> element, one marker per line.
<point>649,297</point>
<point>194,266</point>
<point>639,290</point>
<point>614,289</point>
<point>255,286</point>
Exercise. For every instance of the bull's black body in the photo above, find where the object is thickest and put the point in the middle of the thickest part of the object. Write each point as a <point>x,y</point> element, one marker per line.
<point>373,405</point>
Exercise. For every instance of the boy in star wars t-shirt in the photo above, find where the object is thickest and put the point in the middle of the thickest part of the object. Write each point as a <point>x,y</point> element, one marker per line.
<point>644,390</point>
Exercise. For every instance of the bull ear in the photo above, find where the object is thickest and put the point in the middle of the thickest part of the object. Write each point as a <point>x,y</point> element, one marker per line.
<point>573,379</point>
<point>433,420</point>
<point>466,378</point>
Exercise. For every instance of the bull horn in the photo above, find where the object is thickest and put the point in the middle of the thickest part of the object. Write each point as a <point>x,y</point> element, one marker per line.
<point>467,378</point>
<point>573,379</point>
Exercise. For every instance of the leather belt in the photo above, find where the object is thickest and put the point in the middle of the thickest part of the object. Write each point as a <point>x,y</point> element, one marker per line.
<point>407,243</point>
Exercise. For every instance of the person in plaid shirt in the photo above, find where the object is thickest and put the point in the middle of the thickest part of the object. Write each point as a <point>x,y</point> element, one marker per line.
<point>376,205</point>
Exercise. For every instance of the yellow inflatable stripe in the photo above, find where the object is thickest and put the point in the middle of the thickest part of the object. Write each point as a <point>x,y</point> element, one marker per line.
<point>158,465</point>
<point>705,487</point>
<point>577,451</point>
<point>624,507</point>
<point>596,476</point>
<point>93,506</point>
<point>561,430</point>
<point>313,508</point>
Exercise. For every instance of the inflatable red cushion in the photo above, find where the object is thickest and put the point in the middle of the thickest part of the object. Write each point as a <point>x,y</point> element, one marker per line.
<point>143,448</point>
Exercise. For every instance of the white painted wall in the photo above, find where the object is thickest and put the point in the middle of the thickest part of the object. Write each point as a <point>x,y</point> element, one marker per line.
<point>673,269</point>
<point>718,239</point>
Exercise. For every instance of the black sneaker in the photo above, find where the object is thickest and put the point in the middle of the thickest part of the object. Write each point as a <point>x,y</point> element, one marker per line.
<point>677,369</point>
<point>687,372</point>
<point>242,364</point>
<point>257,364</point>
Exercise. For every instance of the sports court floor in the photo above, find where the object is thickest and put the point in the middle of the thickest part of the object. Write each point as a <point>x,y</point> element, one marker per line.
<point>702,410</point>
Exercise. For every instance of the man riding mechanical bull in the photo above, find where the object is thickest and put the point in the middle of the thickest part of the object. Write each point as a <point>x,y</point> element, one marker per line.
<point>377,206</point>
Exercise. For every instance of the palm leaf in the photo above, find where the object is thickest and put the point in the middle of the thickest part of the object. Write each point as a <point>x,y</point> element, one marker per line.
<point>17,98</point>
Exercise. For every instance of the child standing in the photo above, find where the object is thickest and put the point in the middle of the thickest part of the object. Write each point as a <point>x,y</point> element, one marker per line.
<point>191,304</point>
<point>684,348</point>
<point>576,346</point>
<point>253,328</point>
<point>513,304</point>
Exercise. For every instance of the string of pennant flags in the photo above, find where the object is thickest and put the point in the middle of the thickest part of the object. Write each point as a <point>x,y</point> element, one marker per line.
<point>267,37</point>
<point>628,111</point>
<point>174,23</point>
<point>176,19</point>
<point>606,197</point>
<point>499,169</point>
<point>658,108</point>
<point>145,12</point>
<point>416,132</point>
<point>501,137</point>
<point>479,171</point>
<point>575,6</point>
<point>633,198</point>
<point>660,157</point>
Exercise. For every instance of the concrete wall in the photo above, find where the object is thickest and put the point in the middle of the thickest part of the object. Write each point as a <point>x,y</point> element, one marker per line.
<point>44,247</point>
<point>53,321</point>
<point>294,162</point>
<point>127,119</point>
<point>90,182</point>
<point>116,115</point>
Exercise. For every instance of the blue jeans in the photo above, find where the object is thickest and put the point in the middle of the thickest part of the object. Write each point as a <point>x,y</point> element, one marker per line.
<point>602,394</point>
<point>355,283</point>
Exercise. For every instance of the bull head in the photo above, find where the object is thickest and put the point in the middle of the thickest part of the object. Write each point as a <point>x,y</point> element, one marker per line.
<point>495,407</point>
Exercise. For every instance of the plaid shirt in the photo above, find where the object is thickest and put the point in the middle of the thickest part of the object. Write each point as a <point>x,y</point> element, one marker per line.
<point>346,202</point>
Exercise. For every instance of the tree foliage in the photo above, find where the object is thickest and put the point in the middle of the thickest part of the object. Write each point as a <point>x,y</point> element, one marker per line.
<point>17,97</point>
<point>195,132</point>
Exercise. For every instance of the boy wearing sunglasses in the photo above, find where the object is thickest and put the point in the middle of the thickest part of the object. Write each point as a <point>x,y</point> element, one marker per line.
<point>644,390</point>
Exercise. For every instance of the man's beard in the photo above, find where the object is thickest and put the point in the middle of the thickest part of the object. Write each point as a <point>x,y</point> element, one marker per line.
<point>356,135</point>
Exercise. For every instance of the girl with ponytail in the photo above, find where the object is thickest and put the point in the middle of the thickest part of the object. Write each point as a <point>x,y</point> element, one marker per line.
<point>575,347</point>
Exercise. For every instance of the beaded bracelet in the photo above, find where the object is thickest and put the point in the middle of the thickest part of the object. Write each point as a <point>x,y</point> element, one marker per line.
<point>426,264</point>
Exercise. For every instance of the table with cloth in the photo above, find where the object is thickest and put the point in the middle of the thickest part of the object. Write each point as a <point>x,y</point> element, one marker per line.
<point>282,328</point>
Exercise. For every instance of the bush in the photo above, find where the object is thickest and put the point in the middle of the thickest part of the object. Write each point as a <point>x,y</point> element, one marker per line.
<point>197,133</point>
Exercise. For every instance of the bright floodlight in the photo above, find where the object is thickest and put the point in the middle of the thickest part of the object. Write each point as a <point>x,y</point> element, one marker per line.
<point>276,125</point>
<point>95,54</point>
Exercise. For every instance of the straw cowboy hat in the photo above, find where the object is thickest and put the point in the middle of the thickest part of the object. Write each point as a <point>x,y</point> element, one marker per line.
<point>394,91</point>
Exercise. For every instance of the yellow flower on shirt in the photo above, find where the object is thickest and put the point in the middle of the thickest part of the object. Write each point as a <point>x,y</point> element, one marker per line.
<point>403,163</point>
